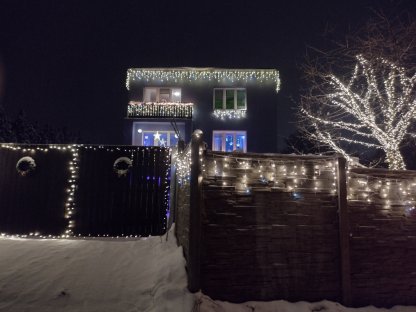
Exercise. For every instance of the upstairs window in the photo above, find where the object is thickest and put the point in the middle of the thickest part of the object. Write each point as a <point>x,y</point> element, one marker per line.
<point>162,95</point>
<point>230,98</point>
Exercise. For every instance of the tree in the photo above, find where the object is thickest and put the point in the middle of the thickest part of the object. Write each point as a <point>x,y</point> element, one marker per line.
<point>362,95</point>
<point>6,132</point>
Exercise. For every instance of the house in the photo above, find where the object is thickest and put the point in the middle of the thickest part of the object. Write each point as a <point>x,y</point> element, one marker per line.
<point>236,109</point>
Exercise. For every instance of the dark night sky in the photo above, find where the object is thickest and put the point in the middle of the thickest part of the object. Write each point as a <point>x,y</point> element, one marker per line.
<point>64,62</point>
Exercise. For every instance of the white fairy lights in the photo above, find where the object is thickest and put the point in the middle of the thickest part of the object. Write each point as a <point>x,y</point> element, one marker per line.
<point>373,109</point>
<point>229,113</point>
<point>188,74</point>
<point>288,175</point>
<point>182,162</point>
<point>70,202</point>
<point>397,191</point>
<point>160,109</point>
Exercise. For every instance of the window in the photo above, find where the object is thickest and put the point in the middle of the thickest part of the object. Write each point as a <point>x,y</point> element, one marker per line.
<point>157,95</point>
<point>229,141</point>
<point>159,138</point>
<point>230,98</point>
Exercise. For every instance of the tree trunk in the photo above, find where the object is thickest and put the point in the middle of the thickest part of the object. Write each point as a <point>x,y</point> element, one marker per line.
<point>395,160</point>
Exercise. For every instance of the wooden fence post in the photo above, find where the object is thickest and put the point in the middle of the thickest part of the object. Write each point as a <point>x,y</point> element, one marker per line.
<point>194,261</point>
<point>344,233</point>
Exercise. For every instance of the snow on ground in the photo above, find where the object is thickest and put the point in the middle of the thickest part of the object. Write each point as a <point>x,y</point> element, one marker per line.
<point>115,275</point>
<point>206,304</point>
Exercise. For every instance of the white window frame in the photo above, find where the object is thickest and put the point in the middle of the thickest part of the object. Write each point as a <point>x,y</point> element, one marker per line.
<point>168,132</point>
<point>224,98</point>
<point>158,93</point>
<point>234,133</point>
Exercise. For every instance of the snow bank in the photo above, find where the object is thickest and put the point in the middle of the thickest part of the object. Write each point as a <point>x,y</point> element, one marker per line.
<point>146,274</point>
<point>206,304</point>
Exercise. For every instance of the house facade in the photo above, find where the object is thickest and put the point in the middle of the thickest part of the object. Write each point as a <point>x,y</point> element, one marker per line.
<point>236,109</point>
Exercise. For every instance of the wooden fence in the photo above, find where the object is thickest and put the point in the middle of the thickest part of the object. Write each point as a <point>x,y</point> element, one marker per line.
<point>84,190</point>
<point>265,227</point>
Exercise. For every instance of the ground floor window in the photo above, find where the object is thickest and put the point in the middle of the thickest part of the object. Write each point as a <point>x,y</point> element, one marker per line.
<point>156,133</point>
<point>159,138</point>
<point>229,141</point>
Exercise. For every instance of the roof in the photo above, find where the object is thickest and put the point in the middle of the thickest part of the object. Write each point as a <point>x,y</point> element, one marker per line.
<point>177,74</point>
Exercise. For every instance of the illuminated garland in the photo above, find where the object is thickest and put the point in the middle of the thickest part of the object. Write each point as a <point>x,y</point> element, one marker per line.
<point>230,113</point>
<point>374,109</point>
<point>168,161</point>
<point>163,109</point>
<point>182,162</point>
<point>384,191</point>
<point>70,202</point>
<point>185,74</point>
<point>248,174</point>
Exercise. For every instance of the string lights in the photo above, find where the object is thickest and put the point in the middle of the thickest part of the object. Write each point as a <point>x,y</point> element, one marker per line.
<point>161,109</point>
<point>187,74</point>
<point>246,174</point>
<point>182,162</point>
<point>397,191</point>
<point>230,113</point>
<point>373,109</point>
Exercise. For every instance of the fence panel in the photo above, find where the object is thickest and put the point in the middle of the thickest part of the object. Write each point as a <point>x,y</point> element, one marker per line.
<point>270,227</point>
<point>131,202</point>
<point>32,200</point>
<point>383,236</point>
<point>84,190</point>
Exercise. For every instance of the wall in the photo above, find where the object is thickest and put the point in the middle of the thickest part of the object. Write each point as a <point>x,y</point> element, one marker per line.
<point>262,122</point>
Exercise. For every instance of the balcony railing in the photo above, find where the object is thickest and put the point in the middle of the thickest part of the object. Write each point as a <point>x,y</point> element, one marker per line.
<point>160,110</point>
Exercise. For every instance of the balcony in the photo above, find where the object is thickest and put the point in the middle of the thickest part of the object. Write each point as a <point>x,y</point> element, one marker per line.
<point>159,110</point>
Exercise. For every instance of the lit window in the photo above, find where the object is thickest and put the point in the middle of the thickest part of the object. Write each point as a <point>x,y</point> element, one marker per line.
<point>158,95</point>
<point>159,138</point>
<point>230,98</point>
<point>229,141</point>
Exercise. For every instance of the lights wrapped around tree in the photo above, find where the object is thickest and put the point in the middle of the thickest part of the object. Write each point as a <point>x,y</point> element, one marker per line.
<point>186,74</point>
<point>163,109</point>
<point>373,109</point>
<point>230,113</point>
